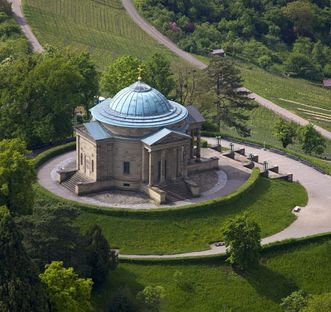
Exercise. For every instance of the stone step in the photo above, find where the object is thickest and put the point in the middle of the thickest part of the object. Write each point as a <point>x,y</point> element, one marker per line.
<point>177,191</point>
<point>71,182</point>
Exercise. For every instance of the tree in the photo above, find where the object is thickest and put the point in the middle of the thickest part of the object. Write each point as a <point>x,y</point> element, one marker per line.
<point>5,6</point>
<point>295,302</point>
<point>66,291</point>
<point>311,140</point>
<point>119,74</point>
<point>186,85</point>
<point>20,287</point>
<point>300,13</point>
<point>152,297</point>
<point>38,95</point>
<point>302,66</point>
<point>319,303</point>
<point>17,176</point>
<point>50,234</point>
<point>231,101</point>
<point>99,254</point>
<point>159,74</point>
<point>285,132</point>
<point>89,86</point>
<point>243,241</point>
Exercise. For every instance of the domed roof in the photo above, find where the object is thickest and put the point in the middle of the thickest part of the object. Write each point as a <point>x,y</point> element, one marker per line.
<point>139,106</point>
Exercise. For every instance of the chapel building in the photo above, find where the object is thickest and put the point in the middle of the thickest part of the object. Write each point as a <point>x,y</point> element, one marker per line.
<point>139,140</point>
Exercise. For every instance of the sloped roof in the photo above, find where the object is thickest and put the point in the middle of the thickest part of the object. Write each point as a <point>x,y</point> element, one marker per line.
<point>161,134</point>
<point>194,115</point>
<point>97,131</point>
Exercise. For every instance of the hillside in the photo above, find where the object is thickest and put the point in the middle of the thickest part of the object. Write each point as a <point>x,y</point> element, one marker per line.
<point>281,36</point>
<point>101,27</point>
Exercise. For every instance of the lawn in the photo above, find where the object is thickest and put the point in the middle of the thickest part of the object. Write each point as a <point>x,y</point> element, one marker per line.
<point>269,203</point>
<point>101,27</point>
<point>216,287</point>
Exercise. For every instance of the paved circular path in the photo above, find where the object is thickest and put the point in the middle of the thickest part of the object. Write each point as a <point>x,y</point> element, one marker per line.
<point>229,179</point>
<point>315,218</point>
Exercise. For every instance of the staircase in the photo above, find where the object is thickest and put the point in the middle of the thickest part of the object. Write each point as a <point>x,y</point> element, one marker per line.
<point>73,180</point>
<point>176,191</point>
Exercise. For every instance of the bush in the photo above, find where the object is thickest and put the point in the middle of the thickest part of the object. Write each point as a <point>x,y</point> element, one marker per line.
<point>52,152</point>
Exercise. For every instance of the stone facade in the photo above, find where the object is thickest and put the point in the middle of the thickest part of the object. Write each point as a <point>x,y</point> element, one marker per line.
<point>138,141</point>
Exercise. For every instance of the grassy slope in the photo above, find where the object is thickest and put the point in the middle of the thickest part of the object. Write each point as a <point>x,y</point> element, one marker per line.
<point>217,288</point>
<point>269,204</point>
<point>101,27</point>
<point>275,88</point>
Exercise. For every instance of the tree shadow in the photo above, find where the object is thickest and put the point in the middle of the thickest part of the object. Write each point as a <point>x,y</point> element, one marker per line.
<point>268,283</point>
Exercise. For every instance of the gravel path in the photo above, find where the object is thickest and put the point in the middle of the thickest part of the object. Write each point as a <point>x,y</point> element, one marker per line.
<point>153,32</point>
<point>26,29</point>
<point>313,219</point>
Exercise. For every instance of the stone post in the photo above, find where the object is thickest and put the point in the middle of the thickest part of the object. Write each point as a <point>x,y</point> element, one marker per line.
<point>192,145</point>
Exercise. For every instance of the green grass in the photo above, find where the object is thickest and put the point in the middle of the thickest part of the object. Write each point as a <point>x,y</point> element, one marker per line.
<point>261,122</point>
<point>269,203</point>
<point>275,88</point>
<point>101,27</point>
<point>216,287</point>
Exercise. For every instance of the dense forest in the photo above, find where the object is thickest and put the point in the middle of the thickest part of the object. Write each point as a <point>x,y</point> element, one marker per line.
<point>282,36</point>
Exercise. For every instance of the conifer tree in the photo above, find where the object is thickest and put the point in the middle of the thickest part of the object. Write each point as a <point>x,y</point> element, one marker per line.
<point>20,287</point>
<point>231,101</point>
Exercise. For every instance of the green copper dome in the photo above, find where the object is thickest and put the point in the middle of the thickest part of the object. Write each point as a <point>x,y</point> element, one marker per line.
<point>139,106</point>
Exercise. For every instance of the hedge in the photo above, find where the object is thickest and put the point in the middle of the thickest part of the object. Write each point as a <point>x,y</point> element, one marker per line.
<point>45,156</point>
<point>52,152</point>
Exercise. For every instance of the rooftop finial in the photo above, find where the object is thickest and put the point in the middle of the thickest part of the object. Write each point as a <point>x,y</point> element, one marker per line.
<point>139,71</point>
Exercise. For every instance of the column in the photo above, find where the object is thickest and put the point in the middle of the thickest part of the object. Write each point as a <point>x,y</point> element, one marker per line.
<point>150,173</point>
<point>162,179</point>
<point>78,152</point>
<point>198,145</point>
<point>192,145</point>
<point>143,165</point>
<point>184,161</point>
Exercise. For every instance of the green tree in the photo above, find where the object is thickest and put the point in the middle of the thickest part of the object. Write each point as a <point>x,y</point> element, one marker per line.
<point>320,53</point>
<point>231,101</point>
<point>124,301</point>
<point>300,13</point>
<point>20,287</point>
<point>285,132</point>
<point>152,297</point>
<point>243,241</point>
<point>50,234</point>
<point>319,303</point>
<point>5,6</point>
<point>17,176</point>
<point>119,74</point>
<point>89,86</point>
<point>311,140</point>
<point>38,95</point>
<point>66,291</point>
<point>99,254</point>
<point>159,74</point>
<point>302,66</point>
<point>295,302</point>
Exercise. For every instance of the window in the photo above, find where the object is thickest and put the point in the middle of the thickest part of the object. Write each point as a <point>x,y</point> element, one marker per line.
<point>126,167</point>
<point>81,158</point>
<point>92,165</point>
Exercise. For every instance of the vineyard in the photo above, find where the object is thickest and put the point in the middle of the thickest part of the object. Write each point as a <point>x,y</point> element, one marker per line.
<point>305,99</point>
<point>100,27</point>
